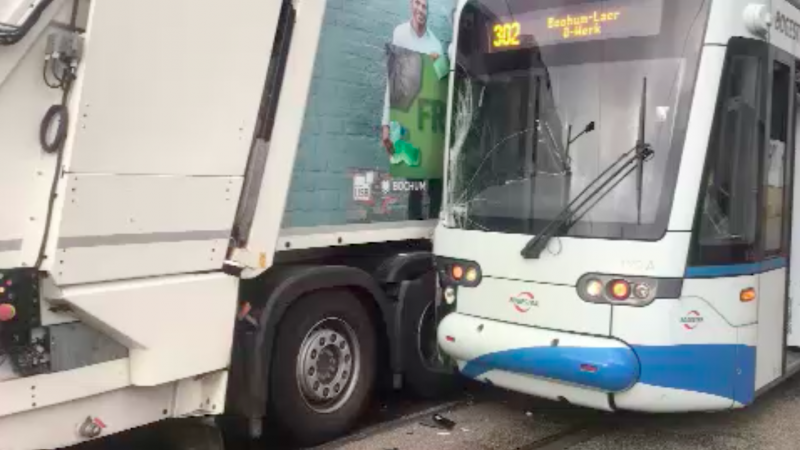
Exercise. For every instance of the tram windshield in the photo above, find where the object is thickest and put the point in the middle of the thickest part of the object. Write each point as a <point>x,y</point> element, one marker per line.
<point>548,94</point>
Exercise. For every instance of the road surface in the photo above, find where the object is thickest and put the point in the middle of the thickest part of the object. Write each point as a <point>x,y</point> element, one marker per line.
<point>498,420</point>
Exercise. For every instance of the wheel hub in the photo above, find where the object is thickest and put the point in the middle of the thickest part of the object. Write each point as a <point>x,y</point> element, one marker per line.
<point>326,366</point>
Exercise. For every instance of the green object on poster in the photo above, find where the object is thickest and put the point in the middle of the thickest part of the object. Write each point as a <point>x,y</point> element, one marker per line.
<point>442,67</point>
<point>404,151</point>
<point>424,123</point>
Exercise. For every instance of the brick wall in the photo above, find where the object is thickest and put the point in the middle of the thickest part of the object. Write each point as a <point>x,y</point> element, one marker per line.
<point>342,125</point>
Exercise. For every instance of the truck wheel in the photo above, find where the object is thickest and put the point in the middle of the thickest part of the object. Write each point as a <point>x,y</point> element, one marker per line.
<point>324,368</point>
<point>425,375</point>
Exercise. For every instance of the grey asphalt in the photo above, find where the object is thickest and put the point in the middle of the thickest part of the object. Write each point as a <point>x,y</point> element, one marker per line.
<point>502,420</point>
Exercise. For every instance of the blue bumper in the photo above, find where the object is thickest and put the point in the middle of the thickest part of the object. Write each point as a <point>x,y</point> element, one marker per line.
<point>606,369</point>
<point>598,363</point>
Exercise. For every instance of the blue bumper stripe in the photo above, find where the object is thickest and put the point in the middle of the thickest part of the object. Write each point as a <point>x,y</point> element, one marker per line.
<point>616,368</point>
<point>725,370</point>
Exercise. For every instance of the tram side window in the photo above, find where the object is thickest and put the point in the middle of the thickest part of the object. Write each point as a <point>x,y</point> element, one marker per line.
<point>774,166</point>
<point>729,214</point>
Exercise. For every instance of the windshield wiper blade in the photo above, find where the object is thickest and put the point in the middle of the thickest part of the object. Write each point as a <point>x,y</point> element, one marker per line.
<point>593,193</point>
<point>640,145</point>
<point>630,160</point>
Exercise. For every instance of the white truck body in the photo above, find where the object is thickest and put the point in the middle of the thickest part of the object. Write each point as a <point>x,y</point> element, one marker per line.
<point>134,309</point>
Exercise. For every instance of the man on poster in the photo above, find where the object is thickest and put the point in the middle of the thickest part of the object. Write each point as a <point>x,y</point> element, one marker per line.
<point>414,35</point>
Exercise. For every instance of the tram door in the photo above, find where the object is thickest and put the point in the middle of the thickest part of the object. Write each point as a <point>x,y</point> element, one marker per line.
<point>775,223</point>
<point>793,321</point>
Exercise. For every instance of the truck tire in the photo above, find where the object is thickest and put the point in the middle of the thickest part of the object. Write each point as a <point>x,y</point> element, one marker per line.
<point>324,368</point>
<point>424,376</point>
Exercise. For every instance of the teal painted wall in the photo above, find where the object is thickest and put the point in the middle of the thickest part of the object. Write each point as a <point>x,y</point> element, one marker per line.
<point>341,132</point>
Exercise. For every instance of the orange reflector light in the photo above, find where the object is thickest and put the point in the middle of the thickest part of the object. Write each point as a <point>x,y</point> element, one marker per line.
<point>588,368</point>
<point>620,289</point>
<point>472,274</point>
<point>747,295</point>
<point>457,272</point>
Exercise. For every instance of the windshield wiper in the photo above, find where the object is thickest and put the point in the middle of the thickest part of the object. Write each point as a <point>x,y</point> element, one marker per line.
<point>597,189</point>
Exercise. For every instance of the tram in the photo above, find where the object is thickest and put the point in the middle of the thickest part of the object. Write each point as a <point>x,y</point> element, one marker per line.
<point>619,229</point>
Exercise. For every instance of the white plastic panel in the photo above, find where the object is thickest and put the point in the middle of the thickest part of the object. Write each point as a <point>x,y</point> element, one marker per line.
<point>172,87</point>
<point>541,387</point>
<point>628,323</point>
<point>656,399</point>
<point>771,310</point>
<point>93,264</point>
<point>688,321</point>
<point>54,427</point>
<point>176,327</point>
<point>544,305</point>
<point>25,394</point>
<point>566,258</point>
<point>107,205</point>
<point>142,225</point>
<point>723,295</point>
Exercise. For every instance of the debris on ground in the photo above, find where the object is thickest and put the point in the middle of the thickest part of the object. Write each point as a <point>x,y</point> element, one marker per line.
<point>439,421</point>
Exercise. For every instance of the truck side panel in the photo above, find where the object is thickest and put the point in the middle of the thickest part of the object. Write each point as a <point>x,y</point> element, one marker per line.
<point>340,146</point>
<point>329,154</point>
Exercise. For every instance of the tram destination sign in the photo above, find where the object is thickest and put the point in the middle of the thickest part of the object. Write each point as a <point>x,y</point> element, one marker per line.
<point>576,23</point>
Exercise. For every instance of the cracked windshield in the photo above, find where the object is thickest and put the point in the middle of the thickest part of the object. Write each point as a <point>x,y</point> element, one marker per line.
<point>548,95</point>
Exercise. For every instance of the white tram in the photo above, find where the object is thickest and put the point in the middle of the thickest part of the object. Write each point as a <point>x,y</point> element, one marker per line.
<point>619,229</point>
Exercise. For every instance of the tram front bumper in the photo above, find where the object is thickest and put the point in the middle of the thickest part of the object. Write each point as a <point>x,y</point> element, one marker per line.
<point>482,346</point>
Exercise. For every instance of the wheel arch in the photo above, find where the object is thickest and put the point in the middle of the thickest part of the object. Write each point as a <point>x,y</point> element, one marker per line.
<point>270,297</point>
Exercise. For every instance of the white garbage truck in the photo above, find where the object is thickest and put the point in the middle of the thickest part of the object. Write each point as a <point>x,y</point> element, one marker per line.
<point>216,207</point>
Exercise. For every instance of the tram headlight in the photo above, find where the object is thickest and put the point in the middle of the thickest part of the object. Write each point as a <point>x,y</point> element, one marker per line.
<point>594,288</point>
<point>624,290</point>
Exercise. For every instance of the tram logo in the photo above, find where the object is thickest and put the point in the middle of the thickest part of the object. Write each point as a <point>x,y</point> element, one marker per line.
<point>523,302</point>
<point>691,320</point>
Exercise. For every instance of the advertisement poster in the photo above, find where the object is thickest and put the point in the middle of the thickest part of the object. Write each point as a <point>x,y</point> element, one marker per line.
<point>418,108</point>
<point>372,144</point>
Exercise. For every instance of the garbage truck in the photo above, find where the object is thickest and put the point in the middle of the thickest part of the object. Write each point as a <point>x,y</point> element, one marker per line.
<point>216,209</point>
